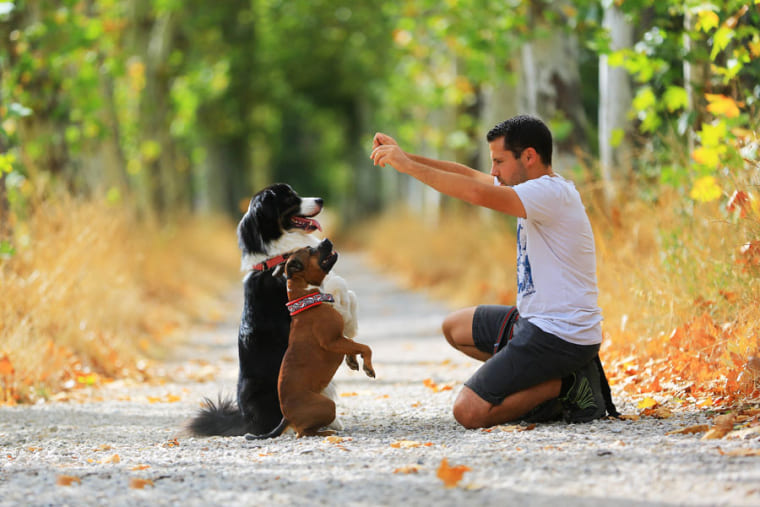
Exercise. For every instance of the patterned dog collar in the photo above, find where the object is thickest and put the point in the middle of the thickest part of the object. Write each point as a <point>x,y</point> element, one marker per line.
<point>308,301</point>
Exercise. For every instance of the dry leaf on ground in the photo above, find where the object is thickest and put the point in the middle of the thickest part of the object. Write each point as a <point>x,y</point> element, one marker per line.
<point>696,428</point>
<point>67,480</point>
<point>408,469</point>
<point>451,475</point>
<point>136,483</point>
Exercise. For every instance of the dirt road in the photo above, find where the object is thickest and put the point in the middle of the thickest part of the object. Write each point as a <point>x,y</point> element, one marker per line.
<point>123,446</point>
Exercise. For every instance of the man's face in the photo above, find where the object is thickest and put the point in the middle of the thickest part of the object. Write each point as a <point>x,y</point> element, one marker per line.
<point>507,169</point>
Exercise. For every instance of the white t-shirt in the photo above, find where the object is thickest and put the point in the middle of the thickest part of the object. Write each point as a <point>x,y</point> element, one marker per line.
<point>556,262</point>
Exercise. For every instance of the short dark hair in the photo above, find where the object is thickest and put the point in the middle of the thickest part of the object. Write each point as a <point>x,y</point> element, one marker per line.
<point>524,131</point>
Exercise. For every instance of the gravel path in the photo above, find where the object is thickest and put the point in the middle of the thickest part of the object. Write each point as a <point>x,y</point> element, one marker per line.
<point>123,445</point>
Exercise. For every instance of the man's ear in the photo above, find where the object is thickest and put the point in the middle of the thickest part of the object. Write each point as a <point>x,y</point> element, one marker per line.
<point>292,267</point>
<point>530,155</point>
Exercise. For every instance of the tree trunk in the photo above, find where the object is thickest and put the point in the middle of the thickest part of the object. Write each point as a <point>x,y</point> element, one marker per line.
<point>614,105</point>
<point>550,87</point>
<point>695,75</point>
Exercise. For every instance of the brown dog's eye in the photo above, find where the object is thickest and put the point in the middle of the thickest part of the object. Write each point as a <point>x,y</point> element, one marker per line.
<point>293,266</point>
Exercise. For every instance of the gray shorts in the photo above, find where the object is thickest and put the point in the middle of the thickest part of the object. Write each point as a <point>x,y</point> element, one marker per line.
<point>523,354</point>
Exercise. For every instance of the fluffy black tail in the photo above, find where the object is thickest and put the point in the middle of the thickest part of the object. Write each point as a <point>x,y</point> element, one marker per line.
<point>276,432</point>
<point>219,419</point>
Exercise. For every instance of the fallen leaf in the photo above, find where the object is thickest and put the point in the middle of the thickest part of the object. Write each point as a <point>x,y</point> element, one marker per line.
<point>113,459</point>
<point>740,452</point>
<point>405,444</point>
<point>140,467</point>
<point>408,469</point>
<point>67,480</point>
<point>696,428</point>
<point>647,403</point>
<point>723,424</point>
<point>136,483</point>
<point>346,395</point>
<point>451,475</point>
<point>171,443</point>
<point>336,440</point>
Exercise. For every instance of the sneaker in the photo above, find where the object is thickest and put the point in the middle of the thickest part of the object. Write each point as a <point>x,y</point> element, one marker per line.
<point>550,410</point>
<point>584,401</point>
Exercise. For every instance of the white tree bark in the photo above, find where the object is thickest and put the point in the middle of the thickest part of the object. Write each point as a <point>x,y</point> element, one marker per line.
<point>614,105</point>
<point>549,88</point>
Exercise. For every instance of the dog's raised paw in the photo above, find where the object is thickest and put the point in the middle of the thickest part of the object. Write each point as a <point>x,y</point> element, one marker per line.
<point>351,362</point>
<point>369,371</point>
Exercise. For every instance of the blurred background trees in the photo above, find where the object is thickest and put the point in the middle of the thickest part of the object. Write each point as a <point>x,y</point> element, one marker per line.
<point>172,106</point>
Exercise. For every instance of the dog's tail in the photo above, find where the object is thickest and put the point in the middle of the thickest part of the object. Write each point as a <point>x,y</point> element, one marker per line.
<point>276,432</point>
<point>222,418</point>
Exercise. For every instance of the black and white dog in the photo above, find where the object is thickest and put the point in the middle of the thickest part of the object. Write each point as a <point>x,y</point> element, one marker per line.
<point>278,221</point>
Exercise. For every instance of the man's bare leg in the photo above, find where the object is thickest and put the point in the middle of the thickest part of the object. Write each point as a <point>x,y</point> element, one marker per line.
<point>472,411</point>
<point>457,328</point>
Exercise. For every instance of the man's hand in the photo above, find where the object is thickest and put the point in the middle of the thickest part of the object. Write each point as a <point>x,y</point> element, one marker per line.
<point>392,155</point>
<point>381,138</point>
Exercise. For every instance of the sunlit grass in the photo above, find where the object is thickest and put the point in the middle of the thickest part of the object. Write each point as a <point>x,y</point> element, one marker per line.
<point>90,291</point>
<point>681,314</point>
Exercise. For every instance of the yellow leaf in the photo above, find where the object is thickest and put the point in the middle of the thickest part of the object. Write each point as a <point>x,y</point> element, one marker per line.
<point>140,467</point>
<point>707,20</point>
<point>705,189</point>
<point>451,475</point>
<point>113,459</point>
<point>721,105</point>
<point>707,402</point>
<point>349,394</point>
<point>647,403</point>
<point>708,157</point>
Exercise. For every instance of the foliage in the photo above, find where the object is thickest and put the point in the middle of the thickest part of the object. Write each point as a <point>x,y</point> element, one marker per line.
<point>91,294</point>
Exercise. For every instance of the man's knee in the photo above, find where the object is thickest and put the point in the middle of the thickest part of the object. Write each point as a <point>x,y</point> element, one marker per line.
<point>470,410</point>
<point>457,327</point>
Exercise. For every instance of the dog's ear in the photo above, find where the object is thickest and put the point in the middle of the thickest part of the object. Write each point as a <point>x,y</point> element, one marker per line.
<point>292,267</point>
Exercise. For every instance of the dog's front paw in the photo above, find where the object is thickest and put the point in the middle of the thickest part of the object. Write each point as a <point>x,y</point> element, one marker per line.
<point>369,371</point>
<point>351,362</point>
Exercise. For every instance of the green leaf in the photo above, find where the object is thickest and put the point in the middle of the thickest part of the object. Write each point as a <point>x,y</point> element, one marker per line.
<point>616,137</point>
<point>722,37</point>
<point>6,249</point>
<point>676,98</point>
<point>645,99</point>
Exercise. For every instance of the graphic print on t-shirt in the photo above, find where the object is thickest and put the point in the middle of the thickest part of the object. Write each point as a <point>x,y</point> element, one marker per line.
<point>525,285</point>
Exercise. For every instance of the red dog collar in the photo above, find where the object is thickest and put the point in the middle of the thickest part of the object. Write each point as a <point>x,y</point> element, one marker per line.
<point>308,301</point>
<point>270,263</point>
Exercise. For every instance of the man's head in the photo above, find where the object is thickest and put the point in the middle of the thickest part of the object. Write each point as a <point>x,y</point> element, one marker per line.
<point>521,149</point>
<point>523,131</point>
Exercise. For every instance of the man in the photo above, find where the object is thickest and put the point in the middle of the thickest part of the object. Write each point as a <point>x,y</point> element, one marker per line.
<point>541,357</point>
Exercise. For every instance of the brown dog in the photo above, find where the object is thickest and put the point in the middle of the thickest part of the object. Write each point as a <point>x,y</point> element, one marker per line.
<point>316,346</point>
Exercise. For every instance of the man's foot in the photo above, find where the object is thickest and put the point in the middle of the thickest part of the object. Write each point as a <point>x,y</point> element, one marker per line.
<point>583,401</point>
<point>550,410</point>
